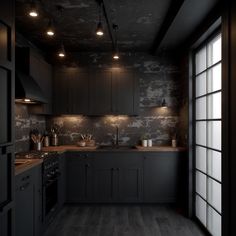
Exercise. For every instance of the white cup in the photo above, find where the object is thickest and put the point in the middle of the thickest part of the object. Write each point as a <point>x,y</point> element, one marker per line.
<point>144,143</point>
<point>149,143</point>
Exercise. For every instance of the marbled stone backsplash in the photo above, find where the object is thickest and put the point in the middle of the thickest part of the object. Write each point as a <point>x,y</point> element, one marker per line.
<point>24,123</point>
<point>158,78</point>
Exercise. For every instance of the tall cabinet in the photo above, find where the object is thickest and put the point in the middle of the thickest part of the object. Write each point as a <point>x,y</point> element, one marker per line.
<point>7,33</point>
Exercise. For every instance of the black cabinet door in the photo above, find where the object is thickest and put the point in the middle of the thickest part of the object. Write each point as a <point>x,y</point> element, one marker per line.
<point>107,178</point>
<point>38,212</point>
<point>132,177</point>
<point>78,91</point>
<point>5,106</point>
<point>7,75</point>
<point>161,176</point>
<point>61,92</point>
<point>125,92</point>
<point>78,177</point>
<point>6,222</point>
<point>25,204</point>
<point>6,175</point>
<point>61,180</point>
<point>100,90</point>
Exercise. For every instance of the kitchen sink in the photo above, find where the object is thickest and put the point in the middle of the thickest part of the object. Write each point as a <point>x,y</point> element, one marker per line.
<point>114,147</point>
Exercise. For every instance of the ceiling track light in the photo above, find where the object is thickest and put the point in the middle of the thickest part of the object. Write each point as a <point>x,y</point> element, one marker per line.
<point>62,52</point>
<point>99,30</point>
<point>116,51</point>
<point>33,12</point>
<point>50,29</point>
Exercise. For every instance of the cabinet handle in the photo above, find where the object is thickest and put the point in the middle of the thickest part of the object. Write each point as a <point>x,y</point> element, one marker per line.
<point>23,187</point>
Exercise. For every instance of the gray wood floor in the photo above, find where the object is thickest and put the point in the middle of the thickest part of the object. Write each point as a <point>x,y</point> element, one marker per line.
<point>123,220</point>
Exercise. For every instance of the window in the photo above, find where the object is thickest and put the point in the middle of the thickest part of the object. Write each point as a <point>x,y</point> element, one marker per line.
<point>207,140</point>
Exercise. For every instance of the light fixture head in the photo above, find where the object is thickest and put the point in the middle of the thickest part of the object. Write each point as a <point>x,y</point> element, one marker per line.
<point>27,100</point>
<point>33,10</point>
<point>163,103</point>
<point>99,30</point>
<point>50,29</point>
<point>116,56</point>
<point>62,52</point>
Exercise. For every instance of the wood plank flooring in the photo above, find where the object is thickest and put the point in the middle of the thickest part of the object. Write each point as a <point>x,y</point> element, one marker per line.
<point>121,220</point>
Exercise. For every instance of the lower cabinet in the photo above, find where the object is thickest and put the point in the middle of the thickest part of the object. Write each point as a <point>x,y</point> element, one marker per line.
<point>28,210</point>
<point>104,177</point>
<point>78,177</point>
<point>61,180</point>
<point>6,222</point>
<point>161,176</point>
<point>123,177</point>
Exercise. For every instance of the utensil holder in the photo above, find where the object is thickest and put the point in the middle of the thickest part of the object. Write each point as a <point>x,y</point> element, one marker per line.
<point>38,146</point>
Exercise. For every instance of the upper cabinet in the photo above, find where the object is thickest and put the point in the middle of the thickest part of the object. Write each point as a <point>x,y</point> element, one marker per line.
<point>95,92</point>
<point>100,93</point>
<point>70,91</point>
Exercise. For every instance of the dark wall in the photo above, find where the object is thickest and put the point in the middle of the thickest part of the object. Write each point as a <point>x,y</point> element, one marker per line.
<point>159,77</point>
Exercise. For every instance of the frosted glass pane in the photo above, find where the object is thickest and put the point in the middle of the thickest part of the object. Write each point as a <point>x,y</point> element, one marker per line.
<point>214,194</point>
<point>201,159</point>
<point>201,108</point>
<point>201,84</point>
<point>201,184</point>
<point>214,106</point>
<point>213,222</point>
<point>214,51</point>
<point>201,210</point>
<point>214,134</point>
<point>201,133</point>
<point>214,78</point>
<point>214,164</point>
<point>201,60</point>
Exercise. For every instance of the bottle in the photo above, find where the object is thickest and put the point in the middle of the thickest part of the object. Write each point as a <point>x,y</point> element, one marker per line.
<point>54,139</point>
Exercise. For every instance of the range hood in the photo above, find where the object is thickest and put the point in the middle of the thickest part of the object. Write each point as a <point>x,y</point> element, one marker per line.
<point>27,90</point>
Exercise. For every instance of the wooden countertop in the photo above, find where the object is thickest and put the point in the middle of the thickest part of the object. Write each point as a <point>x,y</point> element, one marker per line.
<point>65,148</point>
<point>27,164</point>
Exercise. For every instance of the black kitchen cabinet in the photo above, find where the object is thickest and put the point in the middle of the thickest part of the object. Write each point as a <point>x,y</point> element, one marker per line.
<point>132,177</point>
<point>78,91</point>
<point>60,92</point>
<point>107,177</point>
<point>125,92</point>
<point>28,212</point>
<point>100,90</point>
<point>78,177</point>
<point>71,94</point>
<point>61,180</point>
<point>7,84</point>
<point>95,91</point>
<point>161,176</point>
<point>118,177</point>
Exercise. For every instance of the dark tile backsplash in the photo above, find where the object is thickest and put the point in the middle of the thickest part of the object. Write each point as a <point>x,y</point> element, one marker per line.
<point>24,123</point>
<point>158,78</point>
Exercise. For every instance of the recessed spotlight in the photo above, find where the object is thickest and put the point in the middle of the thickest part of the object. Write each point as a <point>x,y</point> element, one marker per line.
<point>116,56</point>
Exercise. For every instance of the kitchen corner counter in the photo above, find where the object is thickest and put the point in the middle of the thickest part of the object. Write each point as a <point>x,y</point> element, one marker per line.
<point>26,164</point>
<point>65,148</point>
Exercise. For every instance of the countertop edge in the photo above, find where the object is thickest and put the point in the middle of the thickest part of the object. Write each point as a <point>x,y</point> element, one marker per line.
<point>24,167</point>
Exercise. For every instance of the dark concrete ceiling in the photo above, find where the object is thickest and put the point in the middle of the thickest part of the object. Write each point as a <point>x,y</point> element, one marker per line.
<point>138,21</point>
